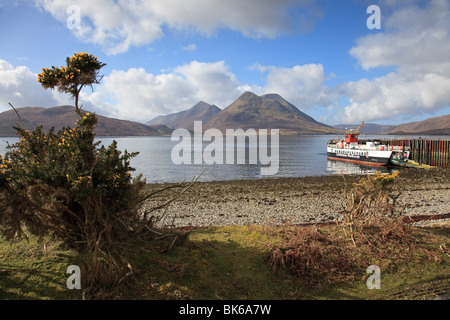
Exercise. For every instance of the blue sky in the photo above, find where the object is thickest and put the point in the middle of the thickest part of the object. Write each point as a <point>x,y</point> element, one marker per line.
<point>164,56</point>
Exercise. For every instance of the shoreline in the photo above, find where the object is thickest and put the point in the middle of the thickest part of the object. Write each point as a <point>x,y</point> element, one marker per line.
<point>299,200</point>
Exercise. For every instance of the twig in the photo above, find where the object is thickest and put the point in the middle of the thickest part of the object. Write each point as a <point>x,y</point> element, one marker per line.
<point>20,119</point>
<point>161,190</point>
<point>167,202</point>
<point>177,196</point>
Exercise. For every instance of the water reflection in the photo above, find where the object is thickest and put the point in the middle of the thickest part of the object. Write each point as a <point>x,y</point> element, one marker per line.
<point>342,167</point>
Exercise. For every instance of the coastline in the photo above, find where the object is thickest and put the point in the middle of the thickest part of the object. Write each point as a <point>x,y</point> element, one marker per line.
<point>302,200</point>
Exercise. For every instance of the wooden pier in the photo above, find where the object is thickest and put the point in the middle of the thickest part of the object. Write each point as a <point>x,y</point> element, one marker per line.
<point>426,151</point>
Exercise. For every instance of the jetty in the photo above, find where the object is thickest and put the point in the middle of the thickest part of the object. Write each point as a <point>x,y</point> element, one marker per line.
<point>432,152</point>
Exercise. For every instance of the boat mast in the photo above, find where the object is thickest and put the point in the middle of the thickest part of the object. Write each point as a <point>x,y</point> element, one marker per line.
<point>359,128</point>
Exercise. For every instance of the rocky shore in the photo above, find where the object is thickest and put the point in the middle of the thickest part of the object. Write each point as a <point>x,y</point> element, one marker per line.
<point>291,200</point>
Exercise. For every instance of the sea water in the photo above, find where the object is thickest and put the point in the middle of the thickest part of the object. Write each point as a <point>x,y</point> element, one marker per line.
<point>299,156</point>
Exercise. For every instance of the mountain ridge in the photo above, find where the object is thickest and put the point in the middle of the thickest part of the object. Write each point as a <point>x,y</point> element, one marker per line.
<point>368,128</point>
<point>65,116</point>
<point>432,126</point>
<point>268,111</point>
<point>185,119</point>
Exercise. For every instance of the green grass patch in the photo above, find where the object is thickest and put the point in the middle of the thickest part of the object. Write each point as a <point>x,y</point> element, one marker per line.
<point>32,269</point>
<point>233,263</point>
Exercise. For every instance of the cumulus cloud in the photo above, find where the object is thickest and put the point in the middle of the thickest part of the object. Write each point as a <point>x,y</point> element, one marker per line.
<point>111,24</point>
<point>417,44</point>
<point>396,95</point>
<point>117,25</point>
<point>302,85</point>
<point>212,81</point>
<point>138,95</point>
<point>19,86</point>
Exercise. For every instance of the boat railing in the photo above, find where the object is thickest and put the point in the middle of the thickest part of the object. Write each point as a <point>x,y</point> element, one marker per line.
<point>381,147</point>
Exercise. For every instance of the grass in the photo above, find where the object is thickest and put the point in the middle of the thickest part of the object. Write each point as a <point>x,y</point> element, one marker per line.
<point>30,269</point>
<point>231,263</point>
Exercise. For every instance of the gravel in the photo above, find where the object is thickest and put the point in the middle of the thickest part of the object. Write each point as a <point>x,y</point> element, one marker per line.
<point>291,200</point>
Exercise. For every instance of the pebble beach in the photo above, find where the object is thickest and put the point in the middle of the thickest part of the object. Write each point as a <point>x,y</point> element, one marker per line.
<point>276,201</point>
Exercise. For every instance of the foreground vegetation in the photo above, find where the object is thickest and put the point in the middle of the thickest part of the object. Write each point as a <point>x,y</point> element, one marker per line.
<point>238,262</point>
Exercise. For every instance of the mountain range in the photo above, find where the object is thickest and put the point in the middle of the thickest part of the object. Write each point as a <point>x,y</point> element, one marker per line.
<point>431,126</point>
<point>368,128</point>
<point>185,119</point>
<point>269,111</point>
<point>63,116</point>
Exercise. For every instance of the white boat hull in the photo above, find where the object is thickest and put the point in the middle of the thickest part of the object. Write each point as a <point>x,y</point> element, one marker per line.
<point>362,156</point>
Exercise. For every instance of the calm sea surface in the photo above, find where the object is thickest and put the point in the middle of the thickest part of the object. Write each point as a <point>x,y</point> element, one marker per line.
<point>299,156</point>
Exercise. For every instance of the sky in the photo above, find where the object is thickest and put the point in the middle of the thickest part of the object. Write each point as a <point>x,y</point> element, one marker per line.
<point>339,61</point>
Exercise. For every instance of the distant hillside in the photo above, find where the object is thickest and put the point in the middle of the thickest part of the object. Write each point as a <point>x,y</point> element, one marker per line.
<point>201,111</point>
<point>368,128</point>
<point>269,111</point>
<point>64,116</point>
<point>432,126</point>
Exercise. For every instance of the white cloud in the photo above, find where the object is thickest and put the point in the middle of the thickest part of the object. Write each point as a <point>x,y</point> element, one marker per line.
<point>417,43</point>
<point>253,18</point>
<point>19,86</point>
<point>138,95</point>
<point>414,37</point>
<point>396,95</point>
<point>303,86</point>
<point>190,47</point>
<point>117,25</point>
<point>212,81</point>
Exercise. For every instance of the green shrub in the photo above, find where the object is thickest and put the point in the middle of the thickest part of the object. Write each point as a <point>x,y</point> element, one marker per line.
<point>66,185</point>
<point>55,182</point>
<point>81,70</point>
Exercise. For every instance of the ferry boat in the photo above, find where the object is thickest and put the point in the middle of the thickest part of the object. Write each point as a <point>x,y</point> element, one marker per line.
<point>369,152</point>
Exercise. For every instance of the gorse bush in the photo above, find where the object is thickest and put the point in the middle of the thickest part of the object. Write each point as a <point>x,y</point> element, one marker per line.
<point>55,182</point>
<point>371,198</point>
<point>64,182</point>
<point>81,70</point>
<point>66,185</point>
<point>370,201</point>
<point>378,182</point>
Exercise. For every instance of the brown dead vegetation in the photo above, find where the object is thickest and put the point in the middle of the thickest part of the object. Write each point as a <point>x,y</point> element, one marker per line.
<point>370,229</point>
